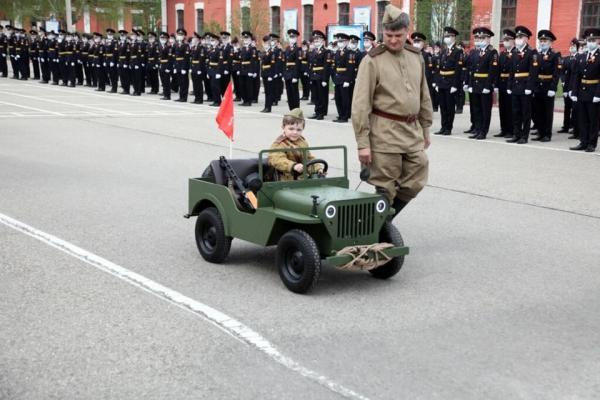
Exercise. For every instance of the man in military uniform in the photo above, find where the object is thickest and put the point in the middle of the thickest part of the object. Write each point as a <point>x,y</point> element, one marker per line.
<point>53,57</point>
<point>215,68</point>
<point>182,54</point>
<point>343,77</point>
<point>78,58</point>
<point>3,53</point>
<point>419,41</point>
<point>586,92</point>
<point>236,67</point>
<point>319,75</point>
<point>268,72</point>
<point>249,68</point>
<point>304,75</point>
<point>550,65</point>
<point>292,58</point>
<point>505,60</point>
<point>225,61</point>
<point>85,59</point>
<point>98,51</point>
<point>111,59</point>
<point>482,81</point>
<point>67,63</point>
<point>449,79</point>
<point>198,63</point>
<point>568,63</point>
<point>34,55</point>
<point>137,62</point>
<point>392,113</point>
<point>469,63</point>
<point>124,50</point>
<point>523,78</point>
<point>43,56</point>
<point>22,52</point>
<point>165,65</point>
<point>206,79</point>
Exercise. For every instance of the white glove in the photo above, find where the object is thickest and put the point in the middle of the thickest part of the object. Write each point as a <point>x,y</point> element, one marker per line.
<point>436,89</point>
<point>434,84</point>
<point>470,90</point>
<point>104,64</point>
<point>306,74</point>
<point>112,64</point>
<point>508,91</point>
<point>238,72</point>
<point>218,76</point>
<point>496,90</point>
<point>143,65</point>
<point>199,72</point>
<point>574,98</point>
<point>269,79</point>
<point>323,84</point>
<point>595,99</point>
<point>527,92</point>
<point>345,84</point>
<point>485,91</point>
<point>565,95</point>
<point>174,70</point>
<point>551,93</point>
<point>136,67</point>
<point>167,71</point>
<point>294,80</point>
<point>453,90</point>
<point>226,72</point>
<point>183,72</point>
<point>41,59</point>
<point>465,87</point>
<point>72,64</point>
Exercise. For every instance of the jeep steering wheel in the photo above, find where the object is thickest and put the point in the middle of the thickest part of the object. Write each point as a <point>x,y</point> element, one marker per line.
<point>317,161</point>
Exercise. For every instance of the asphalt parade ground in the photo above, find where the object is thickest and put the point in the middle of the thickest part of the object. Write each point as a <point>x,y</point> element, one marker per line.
<point>103,293</point>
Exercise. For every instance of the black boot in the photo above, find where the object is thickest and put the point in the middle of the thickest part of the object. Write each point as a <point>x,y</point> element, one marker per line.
<point>397,205</point>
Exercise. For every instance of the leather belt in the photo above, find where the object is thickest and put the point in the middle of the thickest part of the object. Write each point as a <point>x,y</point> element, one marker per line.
<point>402,118</point>
<point>246,62</point>
<point>266,66</point>
<point>133,57</point>
<point>178,58</point>
<point>590,81</point>
<point>545,77</point>
<point>447,73</point>
<point>122,57</point>
<point>214,64</point>
<point>109,54</point>
<point>290,64</point>
<point>317,68</point>
<point>340,69</point>
<point>504,75</point>
<point>164,61</point>
<point>522,75</point>
<point>195,61</point>
<point>481,75</point>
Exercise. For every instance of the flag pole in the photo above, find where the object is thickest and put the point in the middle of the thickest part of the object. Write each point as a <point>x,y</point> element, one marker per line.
<point>230,149</point>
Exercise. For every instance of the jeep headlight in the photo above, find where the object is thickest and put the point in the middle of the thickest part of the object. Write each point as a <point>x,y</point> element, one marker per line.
<point>380,206</point>
<point>330,211</point>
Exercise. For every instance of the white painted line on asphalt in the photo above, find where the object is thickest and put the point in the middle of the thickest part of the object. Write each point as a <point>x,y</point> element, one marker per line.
<point>30,108</point>
<point>230,325</point>
<point>65,103</point>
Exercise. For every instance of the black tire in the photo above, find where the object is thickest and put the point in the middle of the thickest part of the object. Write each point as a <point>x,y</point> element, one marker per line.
<point>211,240</point>
<point>389,234</point>
<point>298,261</point>
<point>209,174</point>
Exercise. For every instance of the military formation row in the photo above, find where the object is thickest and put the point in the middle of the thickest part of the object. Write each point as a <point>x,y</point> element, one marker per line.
<point>526,81</point>
<point>135,61</point>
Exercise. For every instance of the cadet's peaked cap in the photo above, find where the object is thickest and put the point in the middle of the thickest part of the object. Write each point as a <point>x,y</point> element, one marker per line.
<point>110,30</point>
<point>482,31</point>
<point>508,34</point>
<point>97,34</point>
<point>213,35</point>
<point>546,34</point>
<point>62,31</point>
<point>296,113</point>
<point>32,32</point>
<point>369,35</point>
<point>123,32</point>
<point>293,32</point>
<point>592,33</point>
<point>247,34</point>
<point>164,35</point>
<point>354,37</point>
<point>575,41</point>
<point>341,36</point>
<point>318,33</point>
<point>42,29</point>
<point>273,36</point>
<point>153,34</point>
<point>181,31</point>
<point>522,31</point>
<point>391,14</point>
<point>140,32</point>
<point>266,38</point>
<point>225,33</point>
<point>448,30</point>
<point>197,35</point>
<point>418,36</point>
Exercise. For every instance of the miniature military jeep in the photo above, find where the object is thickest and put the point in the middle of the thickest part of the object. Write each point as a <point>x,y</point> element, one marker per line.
<point>312,219</point>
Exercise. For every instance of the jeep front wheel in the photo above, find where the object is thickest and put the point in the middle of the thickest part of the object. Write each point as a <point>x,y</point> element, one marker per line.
<point>389,234</point>
<point>211,240</point>
<point>298,261</point>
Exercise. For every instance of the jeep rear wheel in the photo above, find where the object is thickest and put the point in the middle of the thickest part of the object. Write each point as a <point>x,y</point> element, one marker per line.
<point>211,240</point>
<point>298,261</point>
<point>389,234</point>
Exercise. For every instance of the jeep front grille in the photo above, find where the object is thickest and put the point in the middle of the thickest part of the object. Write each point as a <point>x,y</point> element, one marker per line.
<point>355,220</point>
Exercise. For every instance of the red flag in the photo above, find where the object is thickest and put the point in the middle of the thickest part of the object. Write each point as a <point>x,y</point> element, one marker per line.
<point>225,115</point>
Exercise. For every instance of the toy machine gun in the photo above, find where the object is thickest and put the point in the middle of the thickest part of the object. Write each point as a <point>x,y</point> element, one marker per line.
<point>247,199</point>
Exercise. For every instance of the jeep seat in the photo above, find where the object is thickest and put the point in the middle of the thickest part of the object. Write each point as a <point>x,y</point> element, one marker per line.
<point>242,167</point>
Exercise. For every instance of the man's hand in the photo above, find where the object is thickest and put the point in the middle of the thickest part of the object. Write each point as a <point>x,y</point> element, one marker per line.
<point>485,91</point>
<point>551,93</point>
<point>453,89</point>
<point>323,83</point>
<point>508,91</point>
<point>427,138</point>
<point>294,80</point>
<point>346,84</point>
<point>299,168</point>
<point>364,156</point>
<point>527,92</point>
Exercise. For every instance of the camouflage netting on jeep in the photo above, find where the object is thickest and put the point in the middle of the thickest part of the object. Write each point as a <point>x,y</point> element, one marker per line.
<point>365,257</point>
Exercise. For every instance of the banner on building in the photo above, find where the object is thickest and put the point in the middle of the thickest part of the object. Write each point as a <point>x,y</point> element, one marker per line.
<point>362,15</point>
<point>354,29</point>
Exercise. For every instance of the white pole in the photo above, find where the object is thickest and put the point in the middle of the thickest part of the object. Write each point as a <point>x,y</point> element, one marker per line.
<point>69,14</point>
<point>163,15</point>
<point>230,149</point>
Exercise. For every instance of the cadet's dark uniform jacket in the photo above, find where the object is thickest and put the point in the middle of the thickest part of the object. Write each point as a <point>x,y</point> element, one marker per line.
<point>524,73</point>
<point>449,73</point>
<point>484,70</point>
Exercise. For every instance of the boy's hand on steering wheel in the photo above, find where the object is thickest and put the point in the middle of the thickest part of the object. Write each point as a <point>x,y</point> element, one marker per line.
<point>299,168</point>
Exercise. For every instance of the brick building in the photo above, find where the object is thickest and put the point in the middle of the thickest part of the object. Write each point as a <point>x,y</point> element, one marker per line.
<point>566,18</point>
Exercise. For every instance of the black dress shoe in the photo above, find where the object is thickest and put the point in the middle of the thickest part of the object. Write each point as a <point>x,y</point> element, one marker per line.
<point>470,130</point>
<point>481,136</point>
<point>165,98</point>
<point>590,149</point>
<point>512,140</point>
<point>573,137</point>
<point>544,139</point>
<point>563,130</point>
<point>320,117</point>
<point>180,100</point>
<point>246,104</point>
<point>310,103</point>
<point>266,110</point>
<point>522,141</point>
<point>215,104</point>
<point>100,90</point>
<point>579,147</point>
<point>314,116</point>
<point>440,132</point>
<point>55,83</point>
<point>474,135</point>
<point>501,134</point>
<point>124,92</point>
<point>198,101</point>
<point>340,120</point>
<point>113,91</point>
<point>459,111</point>
<point>537,139</point>
<point>303,98</point>
<point>447,133</point>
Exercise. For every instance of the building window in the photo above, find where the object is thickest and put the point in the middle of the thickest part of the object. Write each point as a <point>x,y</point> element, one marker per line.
<point>199,20</point>
<point>590,14</point>
<point>509,14</point>
<point>344,13</point>
<point>275,20</point>
<point>245,18</point>
<point>380,11</point>
<point>307,16</point>
<point>179,19</point>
